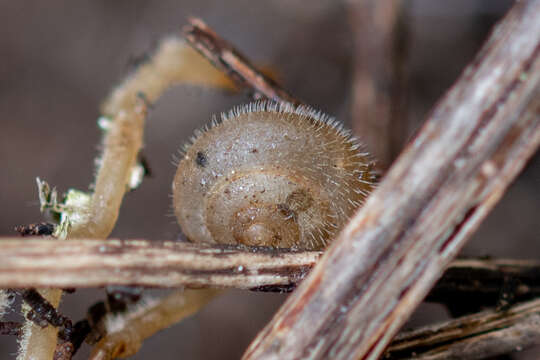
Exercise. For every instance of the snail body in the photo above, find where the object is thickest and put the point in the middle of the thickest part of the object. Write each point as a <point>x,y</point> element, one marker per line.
<point>270,174</point>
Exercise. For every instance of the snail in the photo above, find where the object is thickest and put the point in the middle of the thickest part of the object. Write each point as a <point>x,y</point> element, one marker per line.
<point>270,174</point>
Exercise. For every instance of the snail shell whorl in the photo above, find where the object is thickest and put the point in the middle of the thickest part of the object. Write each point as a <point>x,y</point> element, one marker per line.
<point>270,174</point>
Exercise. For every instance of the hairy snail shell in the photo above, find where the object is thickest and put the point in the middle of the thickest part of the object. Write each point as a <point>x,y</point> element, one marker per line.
<point>270,174</point>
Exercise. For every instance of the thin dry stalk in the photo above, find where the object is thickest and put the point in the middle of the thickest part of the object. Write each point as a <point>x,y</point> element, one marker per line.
<point>477,336</point>
<point>474,143</point>
<point>90,263</point>
<point>231,62</point>
<point>470,285</point>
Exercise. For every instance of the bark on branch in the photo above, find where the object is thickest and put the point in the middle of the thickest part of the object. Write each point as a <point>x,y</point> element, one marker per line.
<point>42,263</point>
<point>231,62</point>
<point>474,143</point>
<point>90,263</point>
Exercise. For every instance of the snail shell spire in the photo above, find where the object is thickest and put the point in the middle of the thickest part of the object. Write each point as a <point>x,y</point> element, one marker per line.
<point>271,174</point>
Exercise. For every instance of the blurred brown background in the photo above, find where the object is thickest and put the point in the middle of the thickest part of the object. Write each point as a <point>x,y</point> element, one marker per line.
<point>59,59</point>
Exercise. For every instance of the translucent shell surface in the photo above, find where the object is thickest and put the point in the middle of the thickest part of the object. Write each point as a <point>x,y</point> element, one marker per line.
<point>271,175</point>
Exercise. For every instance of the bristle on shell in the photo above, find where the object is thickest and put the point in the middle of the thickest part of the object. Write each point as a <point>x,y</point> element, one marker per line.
<point>290,180</point>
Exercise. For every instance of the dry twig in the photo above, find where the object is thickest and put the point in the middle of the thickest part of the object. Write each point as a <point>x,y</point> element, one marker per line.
<point>229,60</point>
<point>90,263</point>
<point>474,143</point>
<point>470,285</point>
<point>477,336</point>
<point>50,263</point>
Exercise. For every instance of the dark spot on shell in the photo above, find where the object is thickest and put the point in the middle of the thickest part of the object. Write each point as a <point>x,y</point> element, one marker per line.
<point>253,151</point>
<point>201,159</point>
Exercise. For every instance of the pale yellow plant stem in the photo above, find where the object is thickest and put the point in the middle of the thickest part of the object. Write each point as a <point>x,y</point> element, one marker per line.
<point>173,63</point>
<point>127,331</point>
<point>37,342</point>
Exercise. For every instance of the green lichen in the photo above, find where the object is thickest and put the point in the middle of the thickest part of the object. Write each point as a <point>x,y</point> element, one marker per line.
<point>72,211</point>
<point>75,213</point>
<point>48,198</point>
